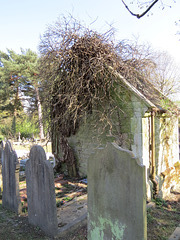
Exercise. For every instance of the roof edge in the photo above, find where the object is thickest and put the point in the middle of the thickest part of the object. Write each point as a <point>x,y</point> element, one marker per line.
<point>134,90</point>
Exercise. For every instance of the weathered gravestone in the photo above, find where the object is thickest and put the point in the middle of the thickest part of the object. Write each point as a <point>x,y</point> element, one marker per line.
<point>116,196</point>
<point>10,174</point>
<point>1,159</point>
<point>1,152</point>
<point>41,191</point>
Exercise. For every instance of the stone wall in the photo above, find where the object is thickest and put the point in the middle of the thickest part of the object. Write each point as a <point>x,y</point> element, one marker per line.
<point>166,154</point>
<point>167,147</point>
<point>130,136</point>
<point>116,196</point>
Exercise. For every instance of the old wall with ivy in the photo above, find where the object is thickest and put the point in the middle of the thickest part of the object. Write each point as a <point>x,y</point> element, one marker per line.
<point>126,131</point>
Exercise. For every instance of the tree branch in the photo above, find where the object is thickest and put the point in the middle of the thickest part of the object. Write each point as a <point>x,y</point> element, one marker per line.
<point>142,14</point>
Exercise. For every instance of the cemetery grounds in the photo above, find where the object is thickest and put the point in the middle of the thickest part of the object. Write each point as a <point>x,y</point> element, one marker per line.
<point>162,218</point>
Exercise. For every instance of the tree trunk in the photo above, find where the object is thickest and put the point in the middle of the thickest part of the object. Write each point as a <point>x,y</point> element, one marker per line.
<point>69,158</point>
<point>16,102</point>
<point>41,132</point>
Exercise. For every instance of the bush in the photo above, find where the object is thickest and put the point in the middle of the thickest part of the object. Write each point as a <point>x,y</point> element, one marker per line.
<point>27,128</point>
<point>1,137</point>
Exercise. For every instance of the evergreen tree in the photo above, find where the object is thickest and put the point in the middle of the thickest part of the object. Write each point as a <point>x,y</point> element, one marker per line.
<point>32,73</point>
<point>19,82</point>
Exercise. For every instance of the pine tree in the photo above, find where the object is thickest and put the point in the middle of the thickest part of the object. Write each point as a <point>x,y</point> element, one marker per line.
<point>19,82</point>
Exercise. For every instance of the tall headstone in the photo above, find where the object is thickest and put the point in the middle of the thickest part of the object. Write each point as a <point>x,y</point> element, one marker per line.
<point>10,174</point>
<point>116,196</point>
<point>1,159</point>
<point>41,191</point>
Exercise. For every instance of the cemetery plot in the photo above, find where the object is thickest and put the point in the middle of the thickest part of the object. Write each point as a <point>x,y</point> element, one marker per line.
<point>71,200</point>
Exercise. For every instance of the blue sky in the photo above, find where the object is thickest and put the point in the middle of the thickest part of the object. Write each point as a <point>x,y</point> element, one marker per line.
<point>22,22</point>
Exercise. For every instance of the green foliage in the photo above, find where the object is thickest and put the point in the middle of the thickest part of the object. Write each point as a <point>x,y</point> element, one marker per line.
<point>26,125</point>
<point>6,127</point>
<point>160,202</point>
<point>27,128</point>
<point>150,218</point>
<point>19,81</point>
<point>1,137</point>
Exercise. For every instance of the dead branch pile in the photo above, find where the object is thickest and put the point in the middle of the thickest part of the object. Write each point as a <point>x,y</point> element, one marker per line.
<point>75,65</point>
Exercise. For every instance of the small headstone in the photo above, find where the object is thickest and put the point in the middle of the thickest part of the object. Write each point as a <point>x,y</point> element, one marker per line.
<point>41,192</point>
<point>1,152</point>
<point>19,137</point>
<point>10,174</point>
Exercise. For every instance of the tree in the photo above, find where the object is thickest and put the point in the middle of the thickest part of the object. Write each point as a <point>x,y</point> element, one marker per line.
<point>31,71</point>
<point>166,74</point>
<point>159,68</point>
<point>19,80</point>
<point>11,78</point>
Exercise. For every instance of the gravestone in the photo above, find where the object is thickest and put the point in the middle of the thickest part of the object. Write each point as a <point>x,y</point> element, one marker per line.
<point>116,196</point>
<point>41,191</point>
<point>10,174</point>
<point>1,159</point>
<point>0,178</point>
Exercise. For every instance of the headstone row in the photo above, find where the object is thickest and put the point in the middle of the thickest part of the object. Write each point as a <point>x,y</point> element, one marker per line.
<point>116,192</point>
<point>40,187</point>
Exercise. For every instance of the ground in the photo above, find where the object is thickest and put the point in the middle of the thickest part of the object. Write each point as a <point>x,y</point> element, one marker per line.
<point>162,220</point>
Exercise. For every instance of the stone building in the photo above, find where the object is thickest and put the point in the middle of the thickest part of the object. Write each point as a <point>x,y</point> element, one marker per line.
<point>141,124</point>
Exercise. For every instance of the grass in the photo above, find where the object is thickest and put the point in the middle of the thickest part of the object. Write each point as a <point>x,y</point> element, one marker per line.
<point>16,227</point>
<point>163,219</point>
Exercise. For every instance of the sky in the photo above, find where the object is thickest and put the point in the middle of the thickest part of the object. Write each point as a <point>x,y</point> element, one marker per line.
<point>22,22</point>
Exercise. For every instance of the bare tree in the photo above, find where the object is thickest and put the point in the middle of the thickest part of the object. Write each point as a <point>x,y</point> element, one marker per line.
<point>166,74</point>
<point>159,68</point>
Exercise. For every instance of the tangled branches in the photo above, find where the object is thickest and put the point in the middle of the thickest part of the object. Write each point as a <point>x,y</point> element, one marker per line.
<point>75,66</point>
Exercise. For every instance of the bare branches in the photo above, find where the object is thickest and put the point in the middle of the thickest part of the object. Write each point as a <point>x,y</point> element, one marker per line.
<point>75,62</point>
<point>75,69</point>
<point>142,14</point>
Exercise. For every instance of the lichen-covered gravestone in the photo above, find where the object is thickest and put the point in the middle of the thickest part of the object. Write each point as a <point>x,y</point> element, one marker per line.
<point>41,191</point>
<point>116,196</point>
<point>1,159</point>
<point>10,174</point>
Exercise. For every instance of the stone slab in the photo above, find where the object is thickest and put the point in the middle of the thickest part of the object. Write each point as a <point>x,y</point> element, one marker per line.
<point>176,234</point>
<point>71,211</point>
